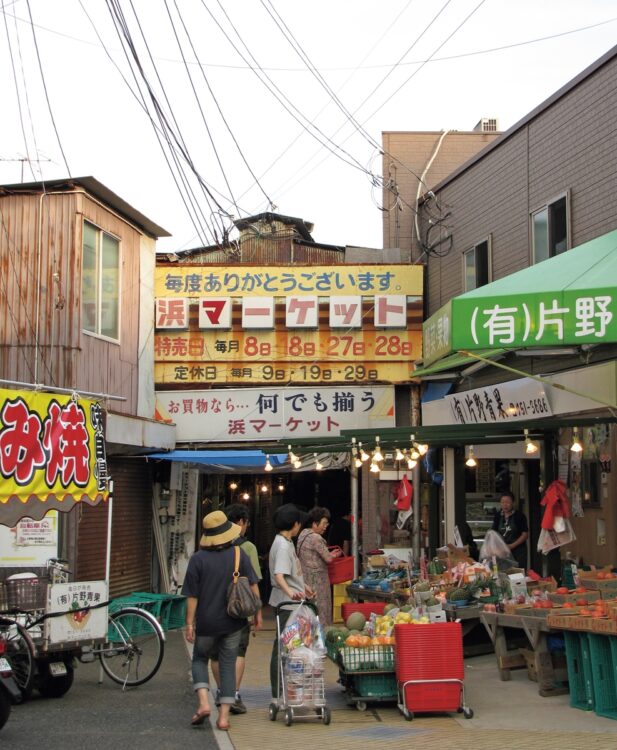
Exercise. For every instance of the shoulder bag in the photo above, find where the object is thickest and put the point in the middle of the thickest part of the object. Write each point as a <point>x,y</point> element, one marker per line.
<point>241,601</point>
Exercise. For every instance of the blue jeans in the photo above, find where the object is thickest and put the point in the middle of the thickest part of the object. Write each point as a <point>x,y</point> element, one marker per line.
<point>227,646</point>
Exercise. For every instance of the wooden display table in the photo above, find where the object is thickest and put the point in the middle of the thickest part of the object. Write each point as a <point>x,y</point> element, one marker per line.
<point>536,629</point>
<point>358,594</point>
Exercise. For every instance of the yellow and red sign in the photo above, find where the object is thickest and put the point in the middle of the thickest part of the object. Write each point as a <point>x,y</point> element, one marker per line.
<point>52,454</point>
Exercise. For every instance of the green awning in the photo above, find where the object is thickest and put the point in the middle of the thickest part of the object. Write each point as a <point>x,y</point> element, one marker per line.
<point>569,300</point>
<point>454,362</point>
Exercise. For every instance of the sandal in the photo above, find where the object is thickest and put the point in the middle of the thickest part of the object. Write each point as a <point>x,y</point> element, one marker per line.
<point>223,727</point>
<point>199,718</point>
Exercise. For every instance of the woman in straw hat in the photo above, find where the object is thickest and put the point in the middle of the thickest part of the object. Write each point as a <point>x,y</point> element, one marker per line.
<point>209,573</point>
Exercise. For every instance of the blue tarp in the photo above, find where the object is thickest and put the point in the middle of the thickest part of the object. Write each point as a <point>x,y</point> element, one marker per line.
<point>232,460</point>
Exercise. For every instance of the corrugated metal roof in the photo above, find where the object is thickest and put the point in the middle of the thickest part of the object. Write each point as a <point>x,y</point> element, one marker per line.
<point>97,190</point>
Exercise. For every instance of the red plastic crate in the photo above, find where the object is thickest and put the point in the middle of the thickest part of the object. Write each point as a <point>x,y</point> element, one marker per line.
<point>429,652</point>
<point>427,697</point>
<point>367,608</point>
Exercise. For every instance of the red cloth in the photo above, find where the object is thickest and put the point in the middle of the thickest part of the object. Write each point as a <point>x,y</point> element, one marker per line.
<point>556,502</point>
<point>404,494</point>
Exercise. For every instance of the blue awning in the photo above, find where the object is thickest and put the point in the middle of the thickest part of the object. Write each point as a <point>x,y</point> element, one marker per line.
<point>231,461</point>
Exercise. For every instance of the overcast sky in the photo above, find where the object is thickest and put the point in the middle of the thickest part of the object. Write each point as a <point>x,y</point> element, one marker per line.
<point>285,102</point>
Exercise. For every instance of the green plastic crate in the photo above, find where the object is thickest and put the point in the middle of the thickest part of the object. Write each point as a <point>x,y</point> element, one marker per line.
<point>375,685</point>
<point>175,612</point>
<point>580,675</point>
<point>604,669</point>
<point>367,658</point>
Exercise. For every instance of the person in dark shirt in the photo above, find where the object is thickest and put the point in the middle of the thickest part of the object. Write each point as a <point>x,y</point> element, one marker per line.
<point>512,525</point>
<point>339,534</point>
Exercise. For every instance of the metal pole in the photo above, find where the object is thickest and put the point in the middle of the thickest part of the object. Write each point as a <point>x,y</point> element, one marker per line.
<point>354,518</point>
<point>110,506</point>
<point>415,541</point>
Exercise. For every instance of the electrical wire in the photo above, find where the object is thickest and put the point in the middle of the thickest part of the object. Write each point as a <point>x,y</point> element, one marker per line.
<point>51,114</point>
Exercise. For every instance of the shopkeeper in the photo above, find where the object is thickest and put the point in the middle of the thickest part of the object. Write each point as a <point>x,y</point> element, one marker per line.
<point>512,525</point>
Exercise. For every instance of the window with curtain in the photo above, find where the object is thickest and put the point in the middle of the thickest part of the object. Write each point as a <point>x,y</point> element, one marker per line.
<point>100,283</point>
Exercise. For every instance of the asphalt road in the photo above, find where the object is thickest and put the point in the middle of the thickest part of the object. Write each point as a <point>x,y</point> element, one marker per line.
<point>93,716</point>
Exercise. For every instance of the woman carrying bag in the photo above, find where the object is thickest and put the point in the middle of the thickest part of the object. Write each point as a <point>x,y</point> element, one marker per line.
<point>314,557</point>
<point>208,576</point>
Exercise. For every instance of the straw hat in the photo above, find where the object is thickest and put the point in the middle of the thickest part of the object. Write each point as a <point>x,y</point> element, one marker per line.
<point>218,530</point>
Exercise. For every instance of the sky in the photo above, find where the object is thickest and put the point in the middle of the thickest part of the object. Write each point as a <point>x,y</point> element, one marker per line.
<point>198,112</point>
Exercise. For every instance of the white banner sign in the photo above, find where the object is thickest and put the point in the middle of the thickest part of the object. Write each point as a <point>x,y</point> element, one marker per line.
<point>276,413</point>
<point>77,623</point>
<point>500,404</point>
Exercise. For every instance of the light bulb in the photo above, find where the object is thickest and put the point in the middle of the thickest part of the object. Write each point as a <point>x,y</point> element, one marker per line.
<point>292,456</point>
<point>297,463</point>
<point>264,487</point>
<point>357,462</point>
<point>268,466</point>
<point>530,446</point>
<point>576,446</point>
<point>398,456</point>
<point>246,496</point>
<point>414,454</point>
<point>422,448</point>
<point>281,487</point>
<point>377,454</point>
<point>411,463</point>
<point>471,461</point>
<point>364,456</point>
<point>374,467</point>
<point>318,465</point>
<point>233,486</point>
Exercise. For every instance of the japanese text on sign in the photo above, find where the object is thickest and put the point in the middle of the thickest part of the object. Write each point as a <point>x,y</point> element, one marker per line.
<point>499,404</point>
<point>274,413</point>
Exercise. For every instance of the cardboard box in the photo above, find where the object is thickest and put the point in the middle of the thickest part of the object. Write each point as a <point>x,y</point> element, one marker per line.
<point>547,586</point>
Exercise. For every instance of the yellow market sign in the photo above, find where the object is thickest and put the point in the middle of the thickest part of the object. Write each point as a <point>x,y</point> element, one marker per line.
<point>255,373</point>
<point>281,281</point>
<point>52,454</point>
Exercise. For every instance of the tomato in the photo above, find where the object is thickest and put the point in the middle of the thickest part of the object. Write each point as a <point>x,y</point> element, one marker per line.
<point>562,590</point>
<point>585,612</point>
<point>601,575</point>
<point>537,604</point>
<point>581,602</point>
<point>568,605</point>
<point>547,604</point>
<point>580,590</point>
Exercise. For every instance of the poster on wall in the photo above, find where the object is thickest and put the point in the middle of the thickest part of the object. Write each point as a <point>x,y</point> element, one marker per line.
<point>29,543</point>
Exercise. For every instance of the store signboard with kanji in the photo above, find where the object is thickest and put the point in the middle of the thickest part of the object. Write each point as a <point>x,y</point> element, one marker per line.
<point>365,319</point>
<point>52,454</point>
<point>84,618</point>
<point>275,413</point>
<point>536,319</point>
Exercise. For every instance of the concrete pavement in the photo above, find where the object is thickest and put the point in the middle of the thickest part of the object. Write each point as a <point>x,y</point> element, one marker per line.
<point>156,716</point>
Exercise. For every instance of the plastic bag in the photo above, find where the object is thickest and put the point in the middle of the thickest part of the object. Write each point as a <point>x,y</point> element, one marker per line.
<point>494,546</point>
<point>303,629</point>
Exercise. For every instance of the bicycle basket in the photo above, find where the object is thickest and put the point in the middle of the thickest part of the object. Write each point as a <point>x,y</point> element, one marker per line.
<point>26,593</point>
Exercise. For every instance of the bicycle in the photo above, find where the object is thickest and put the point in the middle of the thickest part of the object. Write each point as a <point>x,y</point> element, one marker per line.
<point>130,653</point>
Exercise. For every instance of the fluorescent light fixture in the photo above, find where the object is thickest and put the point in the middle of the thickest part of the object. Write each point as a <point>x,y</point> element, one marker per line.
<point>551,351</point>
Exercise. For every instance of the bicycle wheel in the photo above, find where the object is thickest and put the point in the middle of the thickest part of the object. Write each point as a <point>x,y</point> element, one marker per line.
<point>20,653</point>
<point>134,649</point>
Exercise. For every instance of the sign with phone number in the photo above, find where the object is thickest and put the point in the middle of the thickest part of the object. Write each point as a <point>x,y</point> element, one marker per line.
<point>288,346</point>
<point>314,372</point>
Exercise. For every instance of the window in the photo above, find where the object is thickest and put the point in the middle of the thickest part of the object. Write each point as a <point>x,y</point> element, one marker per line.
<point>549,230</point>
<point>100,282</point>
<point>477,266</point>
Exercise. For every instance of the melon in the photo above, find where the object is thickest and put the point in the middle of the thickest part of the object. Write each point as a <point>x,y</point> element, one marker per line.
<point>356,621</point>
<point>388,607</point>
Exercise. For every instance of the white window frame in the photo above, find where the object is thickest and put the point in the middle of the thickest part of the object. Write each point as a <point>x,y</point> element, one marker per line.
<point>547,207</point>
<point>100,233</point>
<point>489,261</point>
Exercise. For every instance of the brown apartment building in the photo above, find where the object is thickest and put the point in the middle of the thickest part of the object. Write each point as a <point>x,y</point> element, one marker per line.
<point>528,197</point>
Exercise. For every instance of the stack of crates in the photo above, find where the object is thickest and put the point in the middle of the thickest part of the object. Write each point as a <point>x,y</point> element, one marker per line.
<point>169,609</point>
<point>603,650</point>
<point>339,596</point>
<point>429,666</point>
<point>580,675</point>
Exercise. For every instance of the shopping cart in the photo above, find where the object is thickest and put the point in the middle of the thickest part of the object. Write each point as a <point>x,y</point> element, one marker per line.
<point>301,692</point>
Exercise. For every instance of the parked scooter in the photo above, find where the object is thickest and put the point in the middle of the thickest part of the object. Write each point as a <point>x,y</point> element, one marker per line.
<point>9,690</point>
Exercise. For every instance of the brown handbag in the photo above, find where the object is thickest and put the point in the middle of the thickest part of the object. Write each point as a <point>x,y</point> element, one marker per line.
<point>242,602</point>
